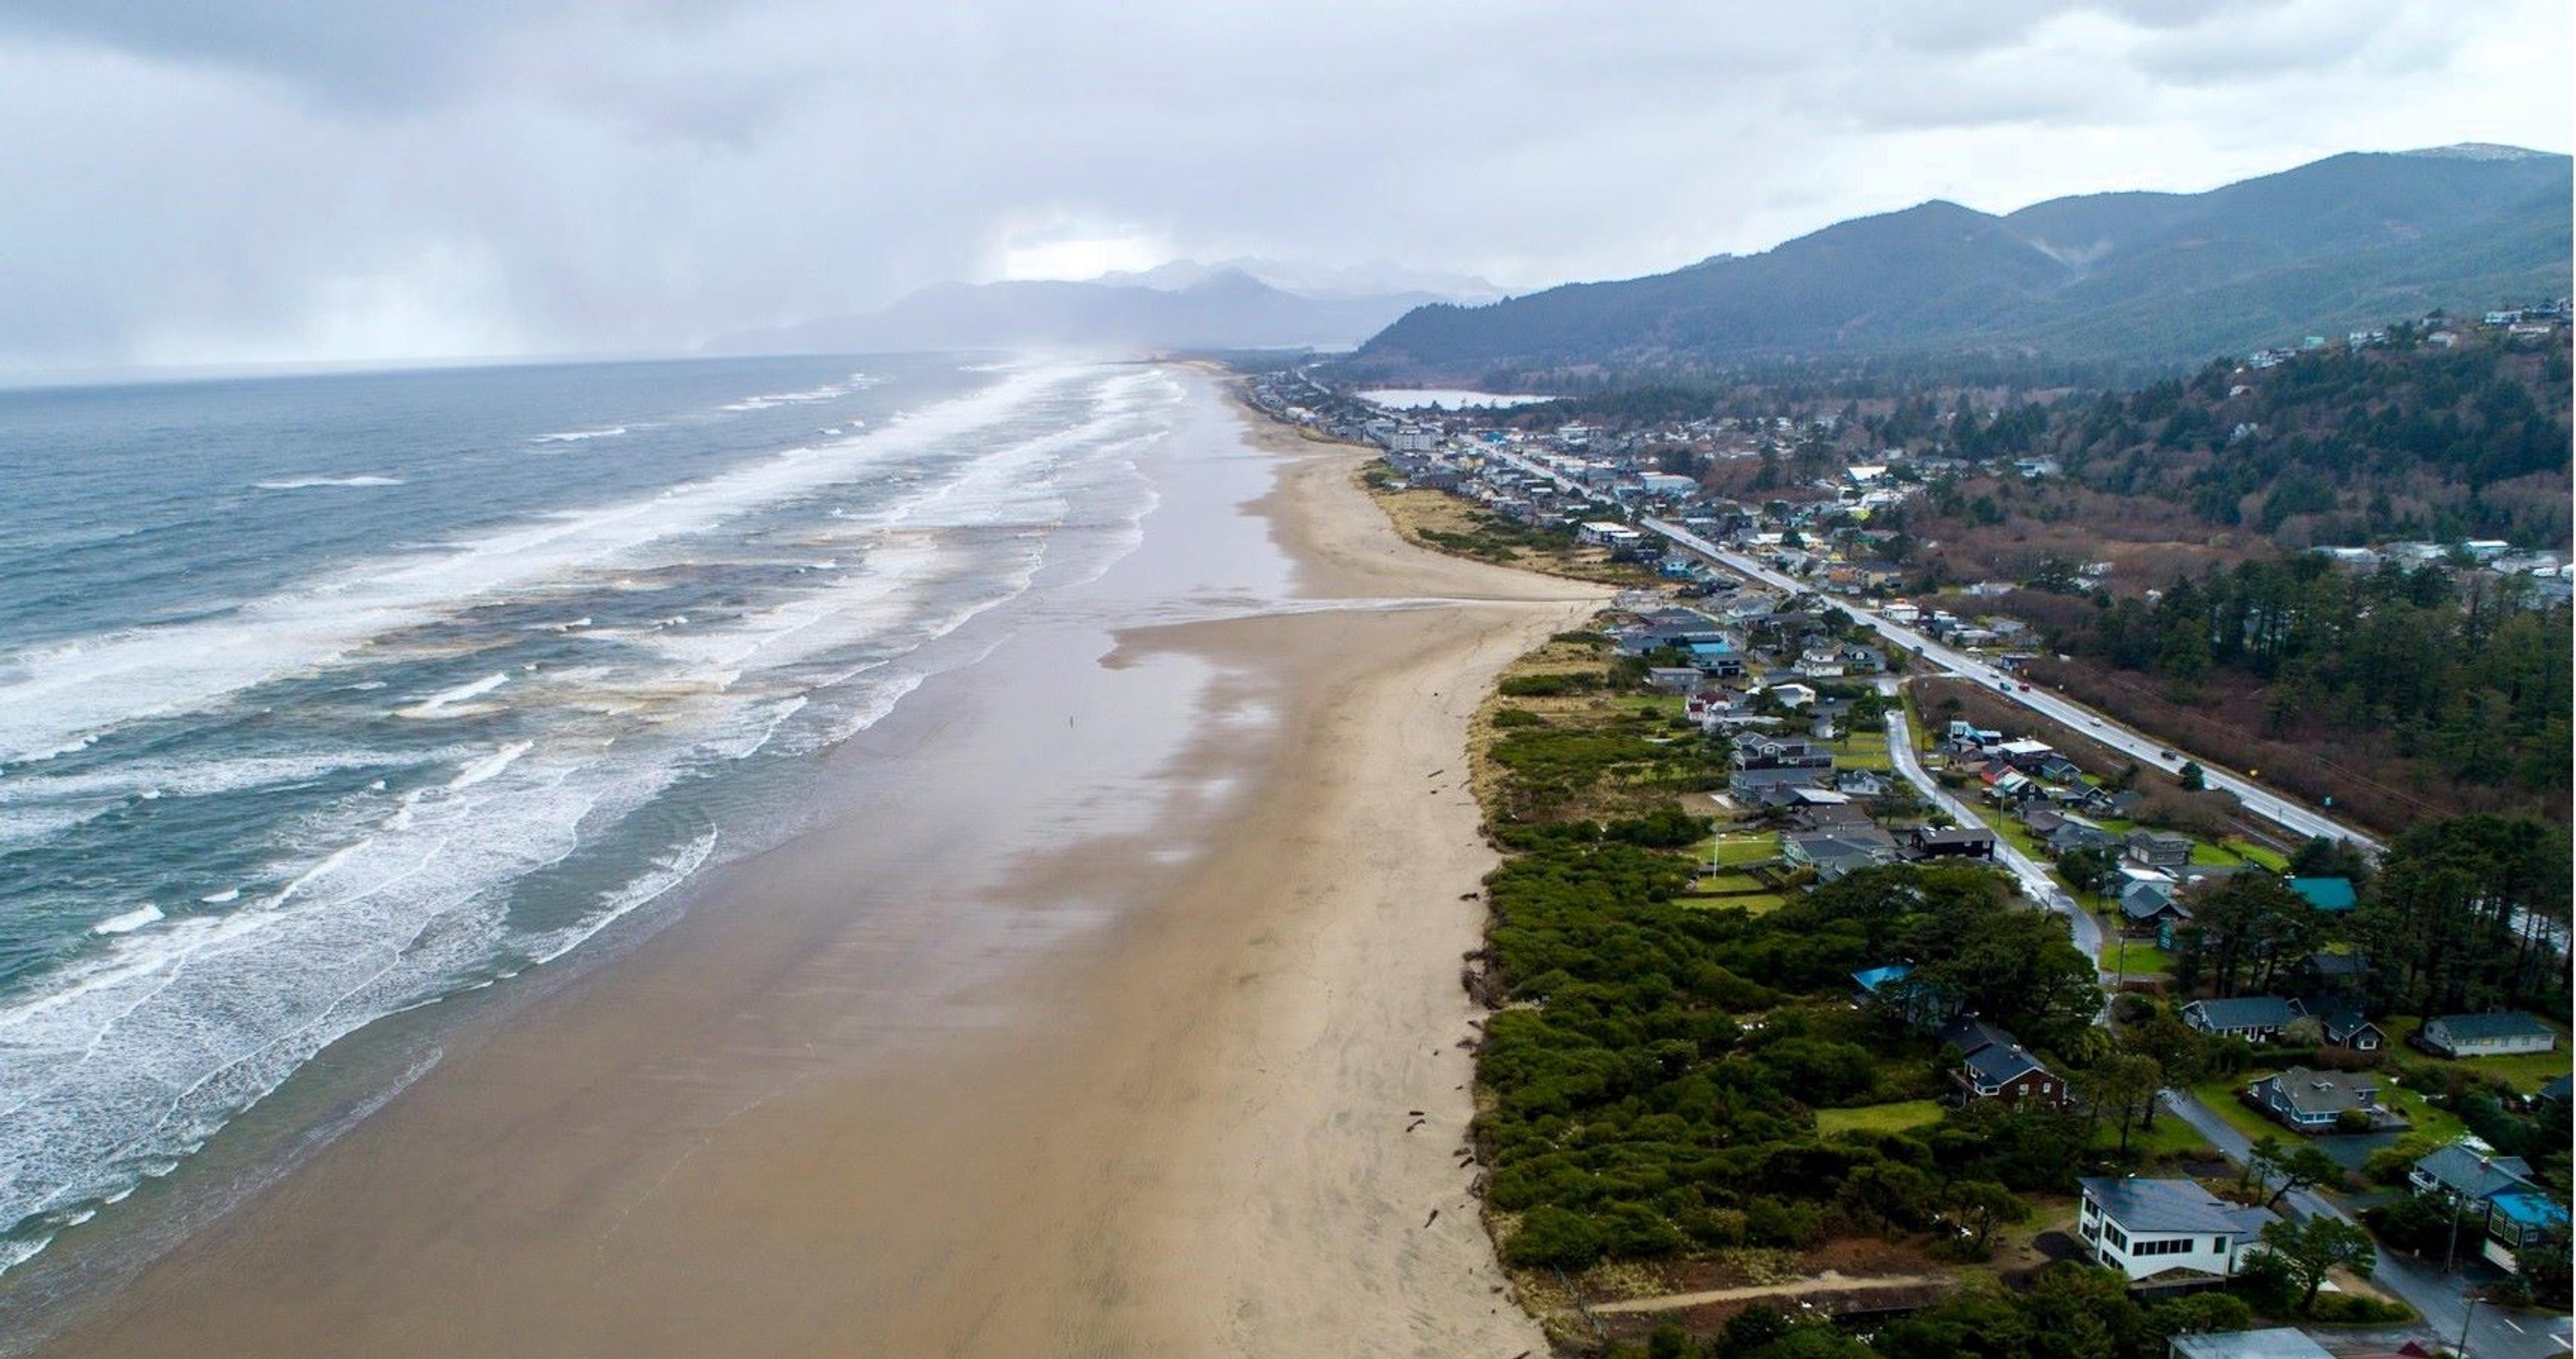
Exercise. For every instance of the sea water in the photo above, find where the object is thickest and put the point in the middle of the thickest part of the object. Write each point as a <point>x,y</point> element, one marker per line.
<point>326,698</point>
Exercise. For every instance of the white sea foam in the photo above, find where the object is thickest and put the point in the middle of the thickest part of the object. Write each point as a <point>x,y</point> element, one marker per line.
<point>444,699</point>
<point>575,436</point>
<point>490,765</point>
<point>55,698</point>
<point>140,1048</point>
<point>309,483</point>
<point>127,923</point>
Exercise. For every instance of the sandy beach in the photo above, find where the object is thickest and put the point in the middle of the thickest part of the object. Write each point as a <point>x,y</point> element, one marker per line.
<point>999,1059</point>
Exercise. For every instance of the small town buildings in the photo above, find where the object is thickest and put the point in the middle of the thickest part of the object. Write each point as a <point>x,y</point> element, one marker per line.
<point>2317,1101</point>
<point>2487,1035</point>
<point>2348,1030</point>
<point>2494,1197</point>
<point>1840,850</point>
<point>2256,1019</point>
<point>2151,1229</point>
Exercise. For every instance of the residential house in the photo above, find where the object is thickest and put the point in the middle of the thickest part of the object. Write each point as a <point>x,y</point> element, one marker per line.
<point>1900,613</point>
<point>2149,1229</point>
<point>2157,849</point>
<point>1821,662</point>
<point>1974,842</point>
<point>2256,1019</point>
<point>1862,660</point>
<point>2071,833</point>
<point>1793,695</point>
<point>1672,679</point>
<point>2326,894</point>
<point>1861,782</point>
<point>1773,785</point>
<point>1994,1065</point>
<point>1839,851</point>
<point>2487,1035</point>
<point>1756,750</point>
<point>2149,907</point>
<point>2317,1101</point>
<point>2463,1172</point>
<point>2057,768</point>
<point>2345,1028</point>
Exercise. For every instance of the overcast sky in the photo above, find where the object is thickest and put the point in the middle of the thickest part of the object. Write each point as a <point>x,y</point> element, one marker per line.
<point>274,180</point>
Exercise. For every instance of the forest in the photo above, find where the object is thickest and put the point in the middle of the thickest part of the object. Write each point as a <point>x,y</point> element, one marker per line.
<point>2422,680</point>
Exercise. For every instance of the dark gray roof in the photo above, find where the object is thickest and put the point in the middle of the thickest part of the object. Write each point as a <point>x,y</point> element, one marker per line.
<point>2502,1024</point>
<point>1968,1033</point>
<point>2324,1092</point>
<point>2245,1012</point>
<point>2280,1342</point>
<point>2171,1206</point>
<point>2471,1175</point>
<point>1997,1063</point>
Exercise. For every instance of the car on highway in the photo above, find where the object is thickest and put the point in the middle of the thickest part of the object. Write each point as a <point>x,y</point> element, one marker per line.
<point>2164,754</point>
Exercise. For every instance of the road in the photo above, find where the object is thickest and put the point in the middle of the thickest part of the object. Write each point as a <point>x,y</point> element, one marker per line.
<point>2034,879</point>
<point>2494,1333</point>
<point>2295,817</point>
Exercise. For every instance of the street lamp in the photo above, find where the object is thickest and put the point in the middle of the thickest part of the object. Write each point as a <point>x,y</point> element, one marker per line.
<point>2470,1311</point>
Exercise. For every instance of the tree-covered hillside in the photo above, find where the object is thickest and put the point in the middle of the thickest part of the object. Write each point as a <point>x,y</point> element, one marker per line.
<point>2133,277</point>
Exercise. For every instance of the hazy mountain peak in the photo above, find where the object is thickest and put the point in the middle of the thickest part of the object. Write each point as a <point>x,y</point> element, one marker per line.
<point>2477,151</point>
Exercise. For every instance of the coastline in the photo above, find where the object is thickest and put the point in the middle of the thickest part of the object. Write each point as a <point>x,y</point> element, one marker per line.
<point>1171,1112</point>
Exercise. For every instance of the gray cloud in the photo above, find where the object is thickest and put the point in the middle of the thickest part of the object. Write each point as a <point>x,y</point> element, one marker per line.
<point>271,180</point>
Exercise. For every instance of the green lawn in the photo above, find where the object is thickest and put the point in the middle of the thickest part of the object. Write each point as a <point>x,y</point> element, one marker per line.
<point>1751,903</point>
<point>1735,851</point>
<point>2170,1139</point>
<point>1912,1113</point>
<point>1725,884</point>
<point>1865,749</point>
<point>2208,855</point>
<point>2144,958</point>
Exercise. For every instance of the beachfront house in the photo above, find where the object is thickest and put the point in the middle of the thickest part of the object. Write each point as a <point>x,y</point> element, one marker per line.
<point>2487,1035</point>
<point>2165,1231</point>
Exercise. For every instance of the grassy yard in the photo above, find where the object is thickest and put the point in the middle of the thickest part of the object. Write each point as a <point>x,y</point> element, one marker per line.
<point>1751,903</point>
<point>1912,1113</point>
<point>2231,853</point>
<point>1737,850</point>
<point>1864,749</point>
<point>2144,958</point>
<point>2170,1140</point>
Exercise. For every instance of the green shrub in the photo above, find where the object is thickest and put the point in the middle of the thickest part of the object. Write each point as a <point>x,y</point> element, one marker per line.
<point>1552,1236</point>
<point>1508,718</point>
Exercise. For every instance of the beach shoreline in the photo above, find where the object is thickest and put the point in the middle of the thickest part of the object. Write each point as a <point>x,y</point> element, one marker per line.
<point>1190,1084</point>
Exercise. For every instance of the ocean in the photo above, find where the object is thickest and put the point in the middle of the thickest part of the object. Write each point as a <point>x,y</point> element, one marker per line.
<point>326,698</point>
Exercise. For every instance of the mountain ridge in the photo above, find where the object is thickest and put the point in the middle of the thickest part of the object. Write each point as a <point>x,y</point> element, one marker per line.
<point>2133,276</point>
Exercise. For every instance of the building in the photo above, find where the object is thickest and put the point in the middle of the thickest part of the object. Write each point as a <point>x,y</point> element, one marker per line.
<point>2256,1019</point>
<point>2495,1197</point>
<point>1839,851</point>
<point>2316,1101</point>
<point>2326,894</point>
<point>2347,1029</point>
<point>1994,1065</point>
<point>1973,842</point>
<point>2158,849</point>
<point>2487,1035</point>
<point>2151,1229</point>
<point>2279,1342</point>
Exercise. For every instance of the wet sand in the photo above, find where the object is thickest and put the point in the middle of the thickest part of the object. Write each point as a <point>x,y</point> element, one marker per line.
<point>1128,1086</point>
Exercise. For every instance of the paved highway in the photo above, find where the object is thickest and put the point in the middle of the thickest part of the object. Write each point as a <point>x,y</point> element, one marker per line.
<point>2293,816</point>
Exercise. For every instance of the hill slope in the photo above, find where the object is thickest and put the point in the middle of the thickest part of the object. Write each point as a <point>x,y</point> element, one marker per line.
<point>2137,277</point>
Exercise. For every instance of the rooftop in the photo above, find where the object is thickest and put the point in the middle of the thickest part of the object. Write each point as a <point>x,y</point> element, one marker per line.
<point>2501,1024</point>
<point>2171,1206</point>
<point>2280,1342</point>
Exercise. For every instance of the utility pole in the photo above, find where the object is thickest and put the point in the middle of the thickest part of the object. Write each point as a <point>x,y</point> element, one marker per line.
<point>2466,1313</point>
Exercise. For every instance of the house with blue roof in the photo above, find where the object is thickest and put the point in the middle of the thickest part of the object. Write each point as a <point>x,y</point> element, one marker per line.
<point>2326,894</point>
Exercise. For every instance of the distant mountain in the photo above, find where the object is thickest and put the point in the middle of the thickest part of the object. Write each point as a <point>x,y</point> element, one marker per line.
<point>1378,278</point>
<point>2133,277</point>
<point>1216,309</point>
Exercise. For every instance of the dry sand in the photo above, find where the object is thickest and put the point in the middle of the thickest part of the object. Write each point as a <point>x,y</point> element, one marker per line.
<point>1189,1129</point>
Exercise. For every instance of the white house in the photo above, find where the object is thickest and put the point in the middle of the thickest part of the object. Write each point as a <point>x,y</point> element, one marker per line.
<point>2147,1228</point>
<point>2487,1035</point>
<point>1603,533</point>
